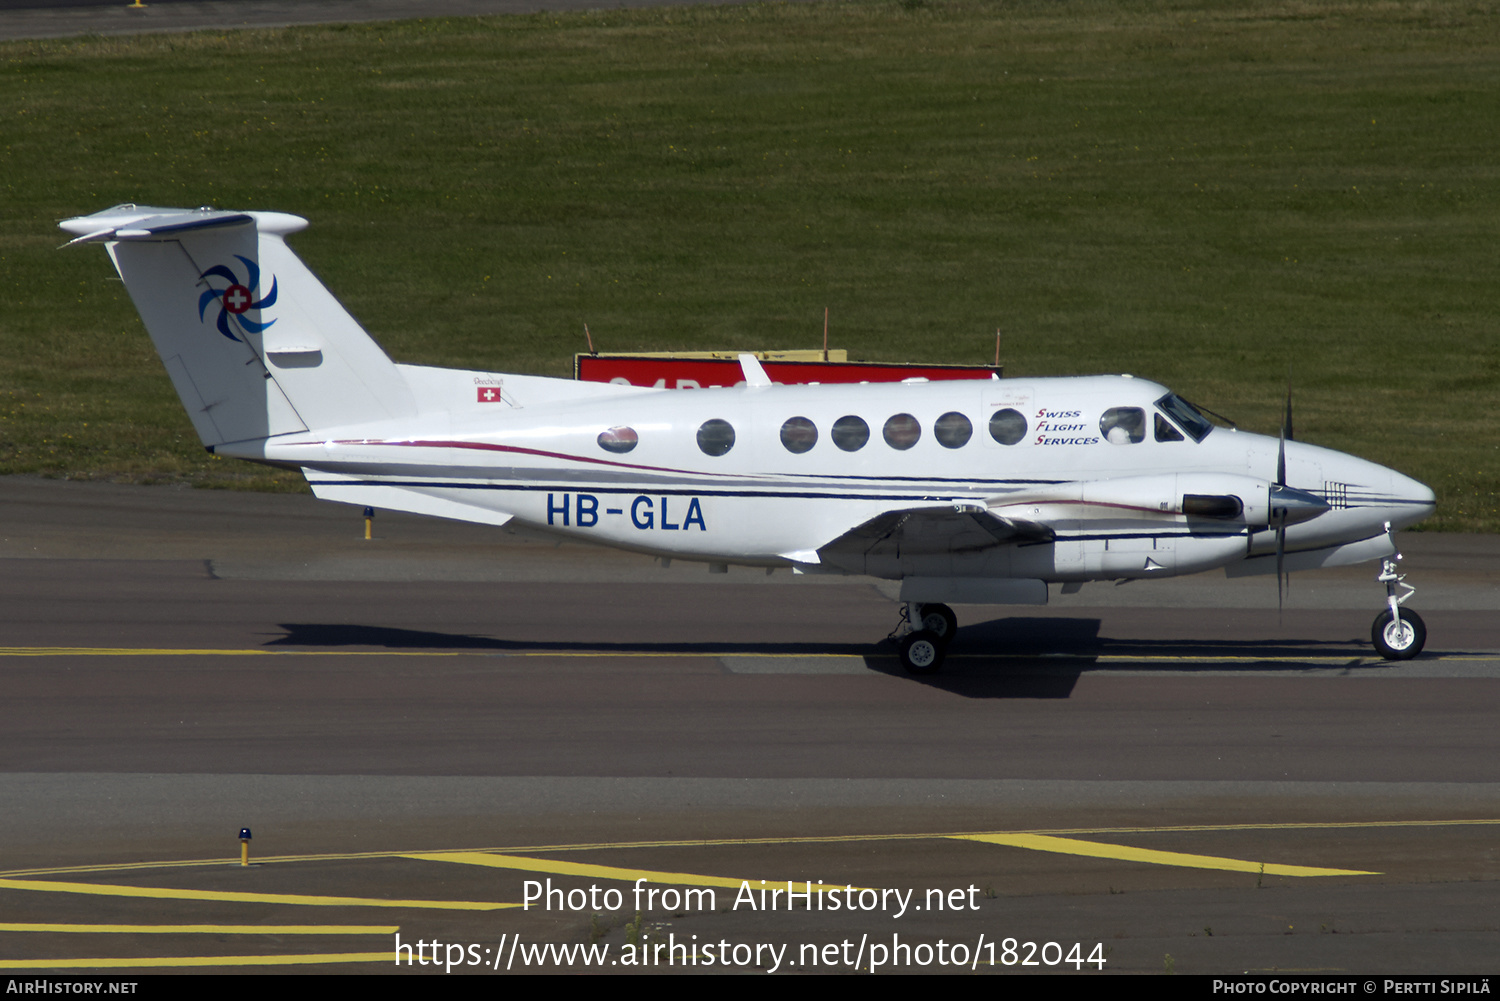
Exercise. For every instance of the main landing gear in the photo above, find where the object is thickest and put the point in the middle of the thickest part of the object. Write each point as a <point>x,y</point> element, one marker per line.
<point>925,643</point>
<point>1398,634</point>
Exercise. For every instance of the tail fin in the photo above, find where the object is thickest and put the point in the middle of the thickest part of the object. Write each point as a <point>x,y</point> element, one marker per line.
<point>254,343</point>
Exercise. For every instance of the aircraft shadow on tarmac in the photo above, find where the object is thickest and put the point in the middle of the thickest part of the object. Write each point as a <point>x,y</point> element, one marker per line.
<point>1020,638</point>
<point>981,677</point>
<point>1003,658</point>
<point>303,634</point>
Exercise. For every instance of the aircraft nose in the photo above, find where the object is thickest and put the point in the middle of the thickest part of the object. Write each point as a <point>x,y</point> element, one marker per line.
<point>1383,494</point>
<point>1416,498</point>
<point>1399,499</point>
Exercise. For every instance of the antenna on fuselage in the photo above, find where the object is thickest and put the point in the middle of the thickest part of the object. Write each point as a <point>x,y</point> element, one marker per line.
<point>825,333</point>
<point>997,347</point>
<point>590,338</point>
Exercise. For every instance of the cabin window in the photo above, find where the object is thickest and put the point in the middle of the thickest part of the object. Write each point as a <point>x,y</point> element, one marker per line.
<point>799,435</point>
<point>1007,426</point>
<point>902,431</point>
<point>618,440</point>
<point>850,433</point>
<point>1123,425</point>
<point>1165,431</point>
<point>716,436</point>
<point>953,430</point>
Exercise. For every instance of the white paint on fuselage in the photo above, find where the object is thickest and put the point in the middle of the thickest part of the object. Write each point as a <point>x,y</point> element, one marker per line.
<point>543,464</point>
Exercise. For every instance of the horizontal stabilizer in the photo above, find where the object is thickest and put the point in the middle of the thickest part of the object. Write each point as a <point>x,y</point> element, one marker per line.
<point>146,222</point>
<point>332,487</point>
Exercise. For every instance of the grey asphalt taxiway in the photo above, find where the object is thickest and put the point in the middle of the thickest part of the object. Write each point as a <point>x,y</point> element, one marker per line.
<point>429,730</point>
<point>421,728</point>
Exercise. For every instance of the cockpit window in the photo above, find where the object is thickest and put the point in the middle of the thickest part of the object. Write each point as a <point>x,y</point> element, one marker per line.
<point>1186,416</point>
<point>1165,431</point>
<point>1123,425</point>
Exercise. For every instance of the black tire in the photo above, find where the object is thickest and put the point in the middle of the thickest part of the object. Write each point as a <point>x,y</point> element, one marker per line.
<point>938,619</point>
<point>1397,643</point>
<point>922,652</point>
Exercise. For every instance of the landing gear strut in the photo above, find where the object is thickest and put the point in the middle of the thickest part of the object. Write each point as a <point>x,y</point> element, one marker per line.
<point>1397,633</point>
<point>925,643</point>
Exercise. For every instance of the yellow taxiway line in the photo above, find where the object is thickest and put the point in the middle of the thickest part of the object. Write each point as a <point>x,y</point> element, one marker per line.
<point>168,893</point>
<point>205,929</point>
<point>1054,841</point>
<point>557,867</point>
<point>1093,849</point>
<point>730,842</point>
<point>114,963</point>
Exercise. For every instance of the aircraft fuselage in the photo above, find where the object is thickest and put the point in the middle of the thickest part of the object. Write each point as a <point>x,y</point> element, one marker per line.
<point>781,471</point>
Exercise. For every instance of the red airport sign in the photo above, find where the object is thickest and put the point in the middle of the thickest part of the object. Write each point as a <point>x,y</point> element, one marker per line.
<point>666,372</point>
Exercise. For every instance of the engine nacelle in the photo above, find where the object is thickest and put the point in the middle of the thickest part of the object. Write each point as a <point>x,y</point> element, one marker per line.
<point>1212,500</point>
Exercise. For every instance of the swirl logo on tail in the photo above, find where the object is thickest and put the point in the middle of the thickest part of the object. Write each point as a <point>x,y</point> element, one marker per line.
<point>236,299</point>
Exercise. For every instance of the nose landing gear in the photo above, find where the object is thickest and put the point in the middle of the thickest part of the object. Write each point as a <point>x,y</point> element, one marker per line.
<point>1397,633</point>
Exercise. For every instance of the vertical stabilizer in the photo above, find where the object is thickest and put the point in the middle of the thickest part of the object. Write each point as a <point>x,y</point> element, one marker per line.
<point>253,342</point>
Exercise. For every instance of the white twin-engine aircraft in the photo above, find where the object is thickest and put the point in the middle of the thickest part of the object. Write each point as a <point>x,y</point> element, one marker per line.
<point>979,491</point>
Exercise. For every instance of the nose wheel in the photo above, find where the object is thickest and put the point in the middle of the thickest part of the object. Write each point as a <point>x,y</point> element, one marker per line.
<point>1399,639</point>
<point>929,629</point>
<point>1398,633</point>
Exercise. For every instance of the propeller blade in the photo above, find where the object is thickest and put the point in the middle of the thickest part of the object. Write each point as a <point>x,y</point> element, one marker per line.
<point>1280,555</point>
<point>1286,433</point>
<point>1308,505</point>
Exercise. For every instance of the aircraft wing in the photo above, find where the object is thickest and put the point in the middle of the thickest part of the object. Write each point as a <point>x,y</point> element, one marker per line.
<point>948,530</point>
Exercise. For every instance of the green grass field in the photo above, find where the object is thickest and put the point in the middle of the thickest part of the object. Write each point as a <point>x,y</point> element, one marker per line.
<point>1210,195</point>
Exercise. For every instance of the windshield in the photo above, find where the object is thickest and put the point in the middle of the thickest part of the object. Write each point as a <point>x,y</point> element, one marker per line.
<point>1186,416</point>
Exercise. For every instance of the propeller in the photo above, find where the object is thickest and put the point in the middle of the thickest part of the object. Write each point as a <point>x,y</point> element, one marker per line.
<point>1279,513</point>
<point>1286,421</point>
<point>1288,504</point>
<point>1278,517</point>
